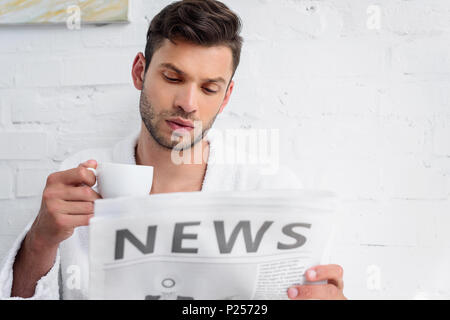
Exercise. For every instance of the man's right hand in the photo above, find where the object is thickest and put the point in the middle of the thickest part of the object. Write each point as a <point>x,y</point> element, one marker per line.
<point>67,203</point>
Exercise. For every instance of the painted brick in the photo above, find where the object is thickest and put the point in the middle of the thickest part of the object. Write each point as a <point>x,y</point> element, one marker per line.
<point>23,145</point>
<point>8,72</point>
<point>409,178</point>
<point>31,182</point>
<point>31,106</point>
<point>422,56</point>
<point>97,69</point>
<point>441,136</point>
<point>7,185</point>
<point>38,72</point>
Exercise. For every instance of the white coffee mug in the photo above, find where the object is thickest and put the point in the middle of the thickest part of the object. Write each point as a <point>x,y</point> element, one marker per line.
<point>121,180</point>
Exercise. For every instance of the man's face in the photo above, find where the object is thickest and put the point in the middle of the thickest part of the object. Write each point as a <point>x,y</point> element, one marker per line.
<point>184,90</point>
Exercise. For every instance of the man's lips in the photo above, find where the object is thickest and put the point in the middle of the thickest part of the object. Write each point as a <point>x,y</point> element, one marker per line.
<point>176,126</point>
<point>181,122</point>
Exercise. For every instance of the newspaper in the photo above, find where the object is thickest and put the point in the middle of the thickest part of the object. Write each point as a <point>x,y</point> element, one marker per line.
<point>203,245</point>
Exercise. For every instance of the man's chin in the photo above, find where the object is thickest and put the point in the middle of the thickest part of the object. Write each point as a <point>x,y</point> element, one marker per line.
<point>174,140</point>
<point>177,144</point>
<point>186,143</point>
<point>183,146</point>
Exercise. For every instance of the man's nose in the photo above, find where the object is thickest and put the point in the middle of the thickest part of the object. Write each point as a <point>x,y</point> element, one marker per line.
<point>188,98</point>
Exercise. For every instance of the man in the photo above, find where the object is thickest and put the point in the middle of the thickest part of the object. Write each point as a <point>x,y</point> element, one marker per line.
<point>192,52</point>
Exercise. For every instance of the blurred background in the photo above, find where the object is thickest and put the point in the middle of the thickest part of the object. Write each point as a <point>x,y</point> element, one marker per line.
<point>358,89</point>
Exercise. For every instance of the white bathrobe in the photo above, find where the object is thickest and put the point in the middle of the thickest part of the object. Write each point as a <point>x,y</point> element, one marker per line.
<point>58,282</point>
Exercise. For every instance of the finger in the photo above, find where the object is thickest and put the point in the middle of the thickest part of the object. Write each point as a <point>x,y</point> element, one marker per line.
<point>89,164</point>
<point>320,292</point>
<point>71,207</point>
<point>76,176</point>
<point>83,193</point>
<point>74,221</point>
<point>332,272</point>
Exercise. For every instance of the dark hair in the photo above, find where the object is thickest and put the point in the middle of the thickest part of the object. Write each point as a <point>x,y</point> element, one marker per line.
<point>203,22</point>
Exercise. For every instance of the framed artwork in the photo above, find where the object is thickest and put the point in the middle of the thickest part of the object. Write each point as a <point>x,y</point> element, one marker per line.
<point>61,11</point>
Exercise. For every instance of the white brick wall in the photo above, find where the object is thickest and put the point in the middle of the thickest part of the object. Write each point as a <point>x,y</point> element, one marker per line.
<point>7,178</point>
<point>23,145</point>
<point>362,110</point>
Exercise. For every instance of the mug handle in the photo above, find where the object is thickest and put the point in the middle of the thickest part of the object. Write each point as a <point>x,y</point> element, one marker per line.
<point>95,173</point>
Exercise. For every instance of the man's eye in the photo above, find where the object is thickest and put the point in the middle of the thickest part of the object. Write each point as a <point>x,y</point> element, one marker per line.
<point>210,91</point>
<point>178,80</point>
<point>171,79</point>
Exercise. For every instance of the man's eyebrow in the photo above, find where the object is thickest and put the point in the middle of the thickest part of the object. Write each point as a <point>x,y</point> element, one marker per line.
<point>182,73</point>
<point>172,67</point>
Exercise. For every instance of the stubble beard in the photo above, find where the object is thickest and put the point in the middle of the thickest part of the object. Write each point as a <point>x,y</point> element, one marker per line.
<point>151,119</point>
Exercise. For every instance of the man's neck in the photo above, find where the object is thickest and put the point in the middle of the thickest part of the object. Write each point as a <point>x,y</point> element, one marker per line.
<point>169,176</point>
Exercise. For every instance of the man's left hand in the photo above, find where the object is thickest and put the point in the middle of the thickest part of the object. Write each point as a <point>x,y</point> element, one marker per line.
<point>332,290</point>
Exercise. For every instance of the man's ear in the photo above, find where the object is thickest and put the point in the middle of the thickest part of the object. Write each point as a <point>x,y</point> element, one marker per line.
<point>138,71</point>
<point>227,96</point>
